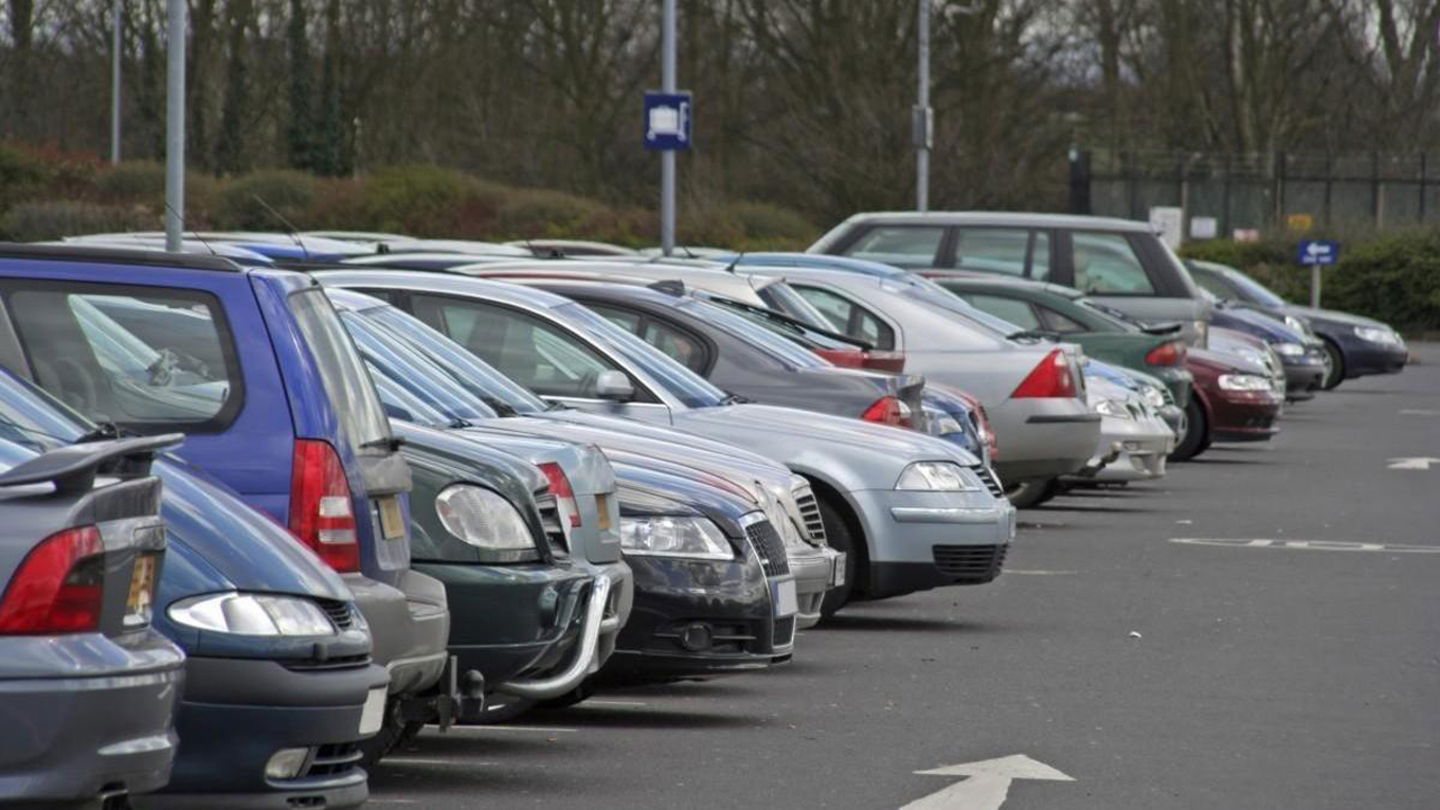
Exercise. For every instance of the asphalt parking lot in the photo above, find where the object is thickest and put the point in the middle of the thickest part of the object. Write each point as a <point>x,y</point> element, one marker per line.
<point>1257,630</point>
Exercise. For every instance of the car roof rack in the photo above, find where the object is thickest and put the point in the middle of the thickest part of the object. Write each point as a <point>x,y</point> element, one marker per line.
<point>116,255</point>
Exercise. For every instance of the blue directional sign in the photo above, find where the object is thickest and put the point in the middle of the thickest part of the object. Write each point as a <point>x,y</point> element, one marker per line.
<point>667,121</point>
<point>1315,251</point>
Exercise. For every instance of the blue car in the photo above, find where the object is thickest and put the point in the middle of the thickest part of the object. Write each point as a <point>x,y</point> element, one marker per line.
<point>274,644</point>
<point>274,400</point>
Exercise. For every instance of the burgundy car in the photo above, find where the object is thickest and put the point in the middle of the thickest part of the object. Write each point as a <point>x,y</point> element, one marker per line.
<point>1235,400</point>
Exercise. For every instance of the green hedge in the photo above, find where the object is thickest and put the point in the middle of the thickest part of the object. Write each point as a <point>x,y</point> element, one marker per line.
<point>1392,277</point>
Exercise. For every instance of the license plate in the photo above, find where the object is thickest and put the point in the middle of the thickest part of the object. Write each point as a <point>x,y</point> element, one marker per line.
<point>392,519</point>
<point>782,596</point>
<point>140,602</point>
<point>837,576</point>
<point>373,715</point>
<point>602,505</point>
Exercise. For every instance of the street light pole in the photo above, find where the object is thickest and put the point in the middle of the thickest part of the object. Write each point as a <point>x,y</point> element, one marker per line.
<point>667,157</point>
<point>174,123</point>
<point>116,11</point>
<point>923,119</point>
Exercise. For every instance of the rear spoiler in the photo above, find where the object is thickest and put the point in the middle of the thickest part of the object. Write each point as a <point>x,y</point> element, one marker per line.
<point>73,468</point>
<point>1162,328</point>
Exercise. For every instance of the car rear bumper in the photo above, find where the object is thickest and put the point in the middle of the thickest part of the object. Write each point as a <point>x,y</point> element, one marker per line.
<point>409,627</point>
<point>1043,438</point>
<point>69,738</point>
<point>904,528</point>
<point>237,713</point>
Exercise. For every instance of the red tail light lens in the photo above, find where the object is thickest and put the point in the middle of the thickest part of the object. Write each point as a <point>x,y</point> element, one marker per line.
<point>1167,354</point>
<point>560,488</point>
<point>888,410</point>
<point>844,358</point>
<point>321,511</point>
<point>1053,377</point>
<point>58,588</point>
<point>885,361</point>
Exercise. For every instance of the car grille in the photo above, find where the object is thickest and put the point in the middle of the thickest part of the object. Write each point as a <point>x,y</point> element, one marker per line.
<point>329,664</point>
<point>970,563</point>
<point>810,513</point>
<point>333,760</point>
<point>551,521</point>
<point>784,632</point>
<point>988,477</point>
<point>769,546</point>
<point>339,613</point>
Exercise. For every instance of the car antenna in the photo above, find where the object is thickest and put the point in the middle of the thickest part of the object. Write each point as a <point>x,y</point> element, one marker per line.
<point>196,234</point>
<point>290,231</point>
<point>730,268</point>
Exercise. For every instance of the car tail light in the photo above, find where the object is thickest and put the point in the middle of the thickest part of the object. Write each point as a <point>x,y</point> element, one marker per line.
<point>888,410</point>
<point>1052,377</point>
<point>322,514</point>
<point>893,362</point>
<point>1167,354</point>
<point>844,358</point>
<point>560,488</point>
<point>982,420</point>
<point>58,588</point>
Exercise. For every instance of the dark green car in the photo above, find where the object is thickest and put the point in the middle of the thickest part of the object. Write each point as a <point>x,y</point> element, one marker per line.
<point>1065,313</point>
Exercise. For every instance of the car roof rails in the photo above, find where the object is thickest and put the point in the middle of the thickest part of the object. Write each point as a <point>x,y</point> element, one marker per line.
<point>140,256</point>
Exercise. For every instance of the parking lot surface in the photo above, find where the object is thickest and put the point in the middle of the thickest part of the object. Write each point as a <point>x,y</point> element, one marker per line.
<point>1257,630</point>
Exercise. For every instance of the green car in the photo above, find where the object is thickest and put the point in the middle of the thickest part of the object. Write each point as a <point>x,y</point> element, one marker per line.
<point>1065,313</point>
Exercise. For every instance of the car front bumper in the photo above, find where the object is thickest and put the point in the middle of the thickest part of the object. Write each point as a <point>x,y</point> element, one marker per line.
<point>409,627</point>
<point>1245,416</point>
<point>1364,358</point>
<point>237,713</point>
<point>1043,438</point>
<point>1130,450</point>
<point>816,571</point>
<point>1304,375</point>
<point>921,540</point>
<point>106,723</point>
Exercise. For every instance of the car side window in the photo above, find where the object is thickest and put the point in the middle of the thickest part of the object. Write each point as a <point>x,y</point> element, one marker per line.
<point>1215,285</point>
<point>992,250</point>
<point>1106,264</point>
<point>146,361</point>
<point>679,345</point>
<point>1013,310</point>
<point>900,245</point>
<point>1056,322</point>
<point>849,317</point>
<point>529,350</point>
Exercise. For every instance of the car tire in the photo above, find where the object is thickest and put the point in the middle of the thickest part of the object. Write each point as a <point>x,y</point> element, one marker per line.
<point>1337,366</point>
<point>394,731</point>
<point>1197,433</point>
<point>837,535</point>
<point>1033,493</point>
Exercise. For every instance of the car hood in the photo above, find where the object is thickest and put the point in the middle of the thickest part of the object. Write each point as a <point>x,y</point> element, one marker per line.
<point>1256,323</point>
<point>217,542</point>
<point>759,421</point>
<point>584,463</point>
<point>1334,316</point>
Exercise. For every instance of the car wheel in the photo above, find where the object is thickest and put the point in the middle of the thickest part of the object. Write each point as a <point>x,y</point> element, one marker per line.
<point>1032,493</point>
<point>1337,366</point>
<point>1197,433</point>
<point>837,535</point>
<point>393,732</point>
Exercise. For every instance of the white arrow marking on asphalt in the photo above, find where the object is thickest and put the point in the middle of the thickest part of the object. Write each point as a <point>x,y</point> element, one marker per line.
<point>1418,412</point>
<point>1421,463</point>
<point>987,785</point>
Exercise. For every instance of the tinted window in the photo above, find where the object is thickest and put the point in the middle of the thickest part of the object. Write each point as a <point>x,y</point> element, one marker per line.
<point>180,374</point>
<point>1213,284</point>
<point>679,381</point>
<point>1254,291</point>
<point>992,250</point>
<point>677,344</point>
<point>1012,310</point>
<point>848,317</point>
<point>1056,322</point>
<point>781,348</point>
<point>348,385</point>
<point>900,245</point>
<point>1106,264</point>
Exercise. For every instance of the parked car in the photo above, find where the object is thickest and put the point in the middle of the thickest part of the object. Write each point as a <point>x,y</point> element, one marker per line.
<point>1302,358</point>
<point>1032,391</point>
<point>787,499</point>
<point>1134,439</point>
<point>274,643</point>
<point>275,402</point>
<point>79,563</point>
<point>571,247</point>
<point>1149,388</point>
<point>275,246</point>
<point>910,511</point>
<point>1116,261</point>
<point>1254,349</point>
<point>1066,314</point>
<point>1356,346</point>
<point>1235,400</point>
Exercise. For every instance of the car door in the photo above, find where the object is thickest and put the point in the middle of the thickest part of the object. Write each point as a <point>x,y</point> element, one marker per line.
<point>537,352</point>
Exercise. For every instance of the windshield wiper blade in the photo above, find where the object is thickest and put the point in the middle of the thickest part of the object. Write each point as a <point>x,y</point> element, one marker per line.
<point>735,399</point>
<point>1032,334</point>
<point>500,406</point>
<point>391,443</point>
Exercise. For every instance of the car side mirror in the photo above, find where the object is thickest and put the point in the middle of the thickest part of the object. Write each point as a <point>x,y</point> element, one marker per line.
<point>614,385</point>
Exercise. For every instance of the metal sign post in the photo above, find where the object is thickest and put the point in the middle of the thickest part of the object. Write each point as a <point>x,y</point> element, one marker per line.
<point>174,123</point>
<point>1315,253</point>
<point>923,117</point>
<point>668,114</point>
<point>116,17</point>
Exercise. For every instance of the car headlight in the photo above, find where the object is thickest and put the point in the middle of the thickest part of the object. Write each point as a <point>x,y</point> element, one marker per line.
<point>252,614</point>
<point>939,422</point>
<point>1377,334</point>
<point>1288,349</point>
<point>1112,407</point>
<point>1298,324</point>
<point>944,476</point>
<point>1244,382</point>
<point>674,536</point>
<point>1154,397</point>
<point>482,518</point>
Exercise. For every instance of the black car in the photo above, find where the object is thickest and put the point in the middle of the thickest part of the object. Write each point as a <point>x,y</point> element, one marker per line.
<point>744,358</point>
<point>1357,346</point>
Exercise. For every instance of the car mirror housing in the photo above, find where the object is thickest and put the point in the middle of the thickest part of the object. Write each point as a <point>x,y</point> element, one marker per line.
<point>614,385</point>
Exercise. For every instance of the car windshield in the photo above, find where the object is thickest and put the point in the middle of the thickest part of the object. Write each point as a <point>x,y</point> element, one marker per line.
<point>1254,291</point>
<point>464,367</point>
<point>782,349</point>
<point>679,381</point>
<point>388,356</point>
<point>351,392</point>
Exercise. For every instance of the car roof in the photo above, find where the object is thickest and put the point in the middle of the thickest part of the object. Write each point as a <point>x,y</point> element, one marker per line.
<point>139,255</point>
<point>981,279</point>
<point>605,289</point>
<point>1003,218</point>
<point>710,276</point>
<point>444,283</point>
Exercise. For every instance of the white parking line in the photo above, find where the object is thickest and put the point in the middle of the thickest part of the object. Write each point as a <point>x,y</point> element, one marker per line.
<point>1038,573</point>
<point>624,703</point>
<point>1306,545</point>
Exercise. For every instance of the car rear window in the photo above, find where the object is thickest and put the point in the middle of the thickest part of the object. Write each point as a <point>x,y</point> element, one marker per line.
<point>900,245</point>
<point>145,359</point>
<point>346,381</point>
<point>1107,264</point>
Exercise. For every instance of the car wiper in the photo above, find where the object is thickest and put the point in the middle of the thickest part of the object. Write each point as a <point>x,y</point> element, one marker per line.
<point>390,443</point>
<point>735,399</point>
<point>1032,334</point>
<point>551,405</point>
<point>499,406</point>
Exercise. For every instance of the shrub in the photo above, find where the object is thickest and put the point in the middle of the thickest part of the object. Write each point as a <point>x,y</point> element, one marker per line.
<point>541,213</point>
<point>133,181</point>
<point>424,200</point>
<point>766,222</point>
<point>288,192</point>
<point>22,175</point>
<point>48,220</point>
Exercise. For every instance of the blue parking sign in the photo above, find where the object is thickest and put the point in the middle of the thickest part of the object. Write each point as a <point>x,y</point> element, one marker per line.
<point>1315,251</point>
<point>667,121</point>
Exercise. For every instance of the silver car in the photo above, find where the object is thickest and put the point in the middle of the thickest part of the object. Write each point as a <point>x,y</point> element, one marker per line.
<point>910,511</point>
<point>1134,439</point>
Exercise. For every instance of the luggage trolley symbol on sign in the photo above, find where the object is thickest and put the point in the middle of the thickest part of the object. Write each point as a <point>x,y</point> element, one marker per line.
<point>667,121</point>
